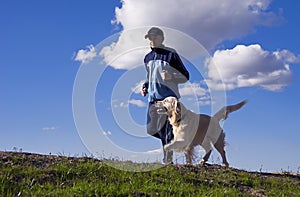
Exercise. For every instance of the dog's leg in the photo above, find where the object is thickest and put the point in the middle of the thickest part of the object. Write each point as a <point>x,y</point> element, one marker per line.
<point>175,145</point>
<point>189,155</point>
<point>206,144</point>
<point>205,158</point>
<point>220,145</point>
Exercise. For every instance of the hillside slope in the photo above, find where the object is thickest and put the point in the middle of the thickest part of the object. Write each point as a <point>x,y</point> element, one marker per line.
<point>27,174</point>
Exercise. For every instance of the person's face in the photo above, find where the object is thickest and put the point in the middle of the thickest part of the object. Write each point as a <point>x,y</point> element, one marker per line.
<point>156,40</point>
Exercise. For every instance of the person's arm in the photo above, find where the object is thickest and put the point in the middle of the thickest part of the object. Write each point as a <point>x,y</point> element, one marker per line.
<point>145,86</point>
<point>181,74</point>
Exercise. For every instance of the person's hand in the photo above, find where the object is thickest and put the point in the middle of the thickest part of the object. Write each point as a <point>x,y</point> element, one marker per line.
<point>144,91</point>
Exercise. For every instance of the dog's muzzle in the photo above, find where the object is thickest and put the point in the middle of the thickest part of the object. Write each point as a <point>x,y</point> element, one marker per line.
<point>162,110</point>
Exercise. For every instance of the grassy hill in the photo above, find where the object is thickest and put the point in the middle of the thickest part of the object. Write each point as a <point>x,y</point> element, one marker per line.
<point>26,174</point>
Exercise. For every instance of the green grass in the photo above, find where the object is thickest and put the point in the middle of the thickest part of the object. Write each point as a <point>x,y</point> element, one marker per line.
<point>24,174</point>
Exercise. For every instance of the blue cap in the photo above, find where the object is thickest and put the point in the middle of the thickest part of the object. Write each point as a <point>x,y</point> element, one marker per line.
<point>154,31</point>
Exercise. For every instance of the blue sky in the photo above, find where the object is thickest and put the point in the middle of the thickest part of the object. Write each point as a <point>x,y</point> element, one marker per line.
<point>46,45</point>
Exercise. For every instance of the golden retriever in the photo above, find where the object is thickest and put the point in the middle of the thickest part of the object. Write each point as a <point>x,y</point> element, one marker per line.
<point>191,129</point>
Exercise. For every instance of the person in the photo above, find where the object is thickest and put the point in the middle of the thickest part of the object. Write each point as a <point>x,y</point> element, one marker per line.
<point>165,71</point>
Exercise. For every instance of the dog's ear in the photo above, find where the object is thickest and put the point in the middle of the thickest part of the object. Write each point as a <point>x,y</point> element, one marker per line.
<point>177,107</point>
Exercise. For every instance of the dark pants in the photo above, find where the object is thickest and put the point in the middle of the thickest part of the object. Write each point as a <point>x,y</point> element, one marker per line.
<point>158,125</point>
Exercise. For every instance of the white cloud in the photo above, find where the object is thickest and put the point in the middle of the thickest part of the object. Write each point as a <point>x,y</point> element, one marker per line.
<point>194,94</point>
<point>210,22</point>
<point>86,55</point>
<point>155,151</point>
<point>107,133</point>
<point>123,104</point>
<point>246,66</point>
<point>52,128</point>
<point>192,89</point>
<point>138,87</point>
<point>204,102</point>
<point>138,103</point>
<point>127,53</point>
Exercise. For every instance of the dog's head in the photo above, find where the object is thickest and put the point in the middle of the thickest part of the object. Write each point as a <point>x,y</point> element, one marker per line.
<point>171,107</point>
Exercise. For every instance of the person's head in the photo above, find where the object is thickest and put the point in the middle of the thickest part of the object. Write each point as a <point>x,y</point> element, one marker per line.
<point>156,37</point>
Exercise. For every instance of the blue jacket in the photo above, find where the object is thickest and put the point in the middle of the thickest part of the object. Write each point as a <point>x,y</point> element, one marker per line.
<point>157,61</point>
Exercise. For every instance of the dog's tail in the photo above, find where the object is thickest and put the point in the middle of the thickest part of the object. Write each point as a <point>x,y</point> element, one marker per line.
<point>223,113</point>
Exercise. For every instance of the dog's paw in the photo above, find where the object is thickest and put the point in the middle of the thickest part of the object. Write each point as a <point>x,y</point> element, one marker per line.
<point>202,163</point>
<point>167,147</point>
<point>225,165</point>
